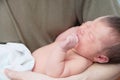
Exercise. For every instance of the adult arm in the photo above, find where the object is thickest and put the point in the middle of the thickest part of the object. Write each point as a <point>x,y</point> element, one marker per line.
<point>95,72</point>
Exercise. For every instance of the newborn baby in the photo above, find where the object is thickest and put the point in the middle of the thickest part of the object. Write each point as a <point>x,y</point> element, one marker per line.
<point>77,48</point>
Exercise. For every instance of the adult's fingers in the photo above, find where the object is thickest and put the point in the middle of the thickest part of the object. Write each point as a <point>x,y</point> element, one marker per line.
<point>13,75</point>
<point>26,75</point>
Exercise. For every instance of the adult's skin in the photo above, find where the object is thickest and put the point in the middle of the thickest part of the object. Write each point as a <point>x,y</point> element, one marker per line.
<point>93,73</point>
<point>38,22</point>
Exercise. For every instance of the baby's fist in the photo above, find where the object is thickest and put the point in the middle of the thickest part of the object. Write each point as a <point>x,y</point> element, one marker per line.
<point>70,42</point>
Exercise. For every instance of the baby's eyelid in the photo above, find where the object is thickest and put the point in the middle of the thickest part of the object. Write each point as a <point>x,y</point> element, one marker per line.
<point>87,25</point>
<point>91,36</point>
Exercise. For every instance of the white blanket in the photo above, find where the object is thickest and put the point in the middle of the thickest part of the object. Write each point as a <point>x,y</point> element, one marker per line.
<point>14,56</point>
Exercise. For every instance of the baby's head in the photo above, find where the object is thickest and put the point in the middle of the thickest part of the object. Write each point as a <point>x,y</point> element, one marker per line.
<point>99,40</point>
<point>113,52</point>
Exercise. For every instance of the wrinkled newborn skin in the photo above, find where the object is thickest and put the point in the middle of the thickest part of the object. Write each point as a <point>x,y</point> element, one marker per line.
<point>75,49</point>
<point>58,59</point>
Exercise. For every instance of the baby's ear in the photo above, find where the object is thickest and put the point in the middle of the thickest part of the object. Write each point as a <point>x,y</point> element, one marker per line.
<point>101,59</point>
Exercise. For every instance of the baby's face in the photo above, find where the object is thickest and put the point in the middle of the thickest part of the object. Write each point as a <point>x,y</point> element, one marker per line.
<point>94,36</point>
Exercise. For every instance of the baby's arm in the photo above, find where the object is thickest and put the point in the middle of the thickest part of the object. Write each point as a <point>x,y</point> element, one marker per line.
<point>56,63</point>
<point>58,66</point>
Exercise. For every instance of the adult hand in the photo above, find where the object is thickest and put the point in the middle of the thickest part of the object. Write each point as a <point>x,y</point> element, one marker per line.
<point>26,75</point>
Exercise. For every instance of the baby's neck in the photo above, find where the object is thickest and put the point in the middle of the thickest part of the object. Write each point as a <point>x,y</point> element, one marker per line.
<point>74,51</point>
<point>81,55</point>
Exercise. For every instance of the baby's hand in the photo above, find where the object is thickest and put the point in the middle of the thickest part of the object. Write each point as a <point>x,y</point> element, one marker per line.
<point>69,42</point>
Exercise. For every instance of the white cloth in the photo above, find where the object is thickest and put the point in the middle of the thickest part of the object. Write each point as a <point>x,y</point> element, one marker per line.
<point>14,56</point>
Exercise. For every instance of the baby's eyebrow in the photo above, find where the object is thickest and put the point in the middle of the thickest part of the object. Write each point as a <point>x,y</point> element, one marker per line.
<point>92,25</point>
